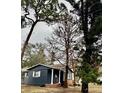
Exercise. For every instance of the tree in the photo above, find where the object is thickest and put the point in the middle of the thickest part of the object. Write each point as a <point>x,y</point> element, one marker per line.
<point>43,10</point>
<point>63,40</point>
<point>34,54</point>
<point>90,13</point>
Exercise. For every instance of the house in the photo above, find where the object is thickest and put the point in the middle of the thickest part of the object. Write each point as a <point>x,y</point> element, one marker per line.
<point>70,73</point>
<point>41,75</point>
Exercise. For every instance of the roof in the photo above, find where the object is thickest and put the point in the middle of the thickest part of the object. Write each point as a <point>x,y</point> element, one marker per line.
<point>48,66</point>
<point>60,66</point>
<point>24,69</point>
<point>57,66</point>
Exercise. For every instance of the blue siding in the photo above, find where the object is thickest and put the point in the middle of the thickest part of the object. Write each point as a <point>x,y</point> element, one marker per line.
<point>49,76</point>
<point>38,80</point>
<point>45,76</point>
<point>42,80</point>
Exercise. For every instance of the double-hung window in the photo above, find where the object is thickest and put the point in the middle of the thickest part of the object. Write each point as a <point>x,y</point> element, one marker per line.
<point>36,74</point>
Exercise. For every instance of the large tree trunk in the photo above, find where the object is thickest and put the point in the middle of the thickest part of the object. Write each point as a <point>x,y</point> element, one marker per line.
<point>84,19</point>
<point>66,72</point>
<point>67,47</point>
<point>66,78</point>
<point>74,77</point>
<point>84,88</point>
<point>27,39</point>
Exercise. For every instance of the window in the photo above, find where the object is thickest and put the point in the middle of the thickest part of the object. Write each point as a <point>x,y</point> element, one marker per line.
<point>26,74</point>
<point>69,76</point>
<point>36,73</point>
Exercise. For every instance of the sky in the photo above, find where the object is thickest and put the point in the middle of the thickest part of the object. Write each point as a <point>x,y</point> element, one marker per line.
<point>41,30</point>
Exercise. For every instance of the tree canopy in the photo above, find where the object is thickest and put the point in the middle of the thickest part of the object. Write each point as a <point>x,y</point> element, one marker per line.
<point>34,54</point>
<point>89,24</point>
<point>90,14</point>
<point>34,11</point>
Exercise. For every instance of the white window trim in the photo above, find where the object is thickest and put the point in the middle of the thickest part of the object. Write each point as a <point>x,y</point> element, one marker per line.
<point>36,74</point>
<point>26,74</point>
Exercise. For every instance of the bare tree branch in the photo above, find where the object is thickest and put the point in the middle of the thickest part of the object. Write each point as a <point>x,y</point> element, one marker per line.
<point>26,16</point>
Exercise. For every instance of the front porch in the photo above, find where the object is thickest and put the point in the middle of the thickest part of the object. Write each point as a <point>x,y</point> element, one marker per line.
<point>55,77</point>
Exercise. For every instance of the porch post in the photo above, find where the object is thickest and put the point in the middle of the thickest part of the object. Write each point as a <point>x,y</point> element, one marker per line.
<point>52,76</point>
<point>59,75</point>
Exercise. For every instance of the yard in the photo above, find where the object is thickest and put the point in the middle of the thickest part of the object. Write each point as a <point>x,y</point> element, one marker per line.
<point>36,89</point>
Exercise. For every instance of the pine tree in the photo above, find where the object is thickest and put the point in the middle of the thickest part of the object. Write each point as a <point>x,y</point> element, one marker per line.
<point>90,13</point>
<point>43,10</point>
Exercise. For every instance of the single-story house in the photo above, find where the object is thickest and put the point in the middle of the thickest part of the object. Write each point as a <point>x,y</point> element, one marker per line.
<point>41,75</point>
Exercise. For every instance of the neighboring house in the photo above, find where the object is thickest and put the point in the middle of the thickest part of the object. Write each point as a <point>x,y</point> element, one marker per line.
<point>42,74</point>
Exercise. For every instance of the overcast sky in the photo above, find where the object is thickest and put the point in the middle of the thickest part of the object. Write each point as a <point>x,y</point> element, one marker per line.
<point>41,30</point>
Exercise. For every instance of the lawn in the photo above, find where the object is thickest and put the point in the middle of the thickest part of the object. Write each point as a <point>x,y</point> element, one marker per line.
<point>36,89</point>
